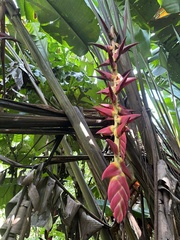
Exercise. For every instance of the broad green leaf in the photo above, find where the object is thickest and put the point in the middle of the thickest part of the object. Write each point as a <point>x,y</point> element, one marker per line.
<point>142,37</point>
<point>20,4</point>
<point>143,11</point>
<point>164,32</point>
<point>167,38</point>
<point>38,37</point>
<point>165,22</point>
<point>170,6</point>
<point>8,190</point>
<point>174,69</point>
<point>70,21</point>
<point>26,9</point>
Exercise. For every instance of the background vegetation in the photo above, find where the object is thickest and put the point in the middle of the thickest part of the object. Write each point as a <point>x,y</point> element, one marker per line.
<point>49,172</point>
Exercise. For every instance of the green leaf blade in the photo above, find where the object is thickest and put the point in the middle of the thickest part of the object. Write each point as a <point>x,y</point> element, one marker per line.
<point>70,21</point>
<point>171,6</point>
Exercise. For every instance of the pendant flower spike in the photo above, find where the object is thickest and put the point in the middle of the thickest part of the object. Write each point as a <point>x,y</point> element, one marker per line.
<point>118,189</point>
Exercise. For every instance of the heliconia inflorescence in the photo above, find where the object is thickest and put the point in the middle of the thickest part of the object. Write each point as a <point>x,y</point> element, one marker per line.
<point>118,189</point>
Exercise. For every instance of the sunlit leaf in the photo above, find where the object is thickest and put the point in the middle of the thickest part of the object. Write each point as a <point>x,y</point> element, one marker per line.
<point>64,21</point>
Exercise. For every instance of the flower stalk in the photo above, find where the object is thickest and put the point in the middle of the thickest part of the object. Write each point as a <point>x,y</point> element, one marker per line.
<point>118,189</point>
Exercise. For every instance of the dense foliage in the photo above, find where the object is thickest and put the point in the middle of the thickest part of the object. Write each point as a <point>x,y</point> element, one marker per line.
<point>52,160</point>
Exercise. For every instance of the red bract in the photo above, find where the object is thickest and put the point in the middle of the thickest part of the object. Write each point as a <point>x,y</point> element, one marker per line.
<point>113,146</point>
<point>116,169</point>
<point>107,131</point>
<point>104,91</point>
<point>118,196</point>
<point>101,46</point>
<point>112,96</point>
<point>111,60</point>
<point>105,111</point>
<point>112,170</point>
<point>106,105</point>
<point>124,82</point>
<point>119,50</point>
<point>123,111</point>
<point>115,183</point>
<point>123,120</point>
<point>122,49</point>
<point>118,189</point>
<point>122,142</point>
<point>121,129</point>
<point>125,170</point>
<point>128,118</point>
<point>105,75</point>
<point>119,211</point>
<point>106,28</point>
<point>127,47</point>
<point>121,82</point>
<point>133,116</point>
<point>105,63</point>
<point>120,193</point>
<point>109,93</point>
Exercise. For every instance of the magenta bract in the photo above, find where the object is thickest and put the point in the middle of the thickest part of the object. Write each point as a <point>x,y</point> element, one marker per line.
<point>112,170</point>
<point>118,189</point>
<point>112,96</point>
<point>119,51</point>
<point>118,196</point>
<point>105,111</point>
<point>107,131</point>
<point>123,111</point>
<point>127,47</point>
<point>125,170</point>
<point>105,63</point>
<point>105,75</point>
<point>104,91</point>
<point>101,46</point>
<point>113,146</point>
<point>122,143</point>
